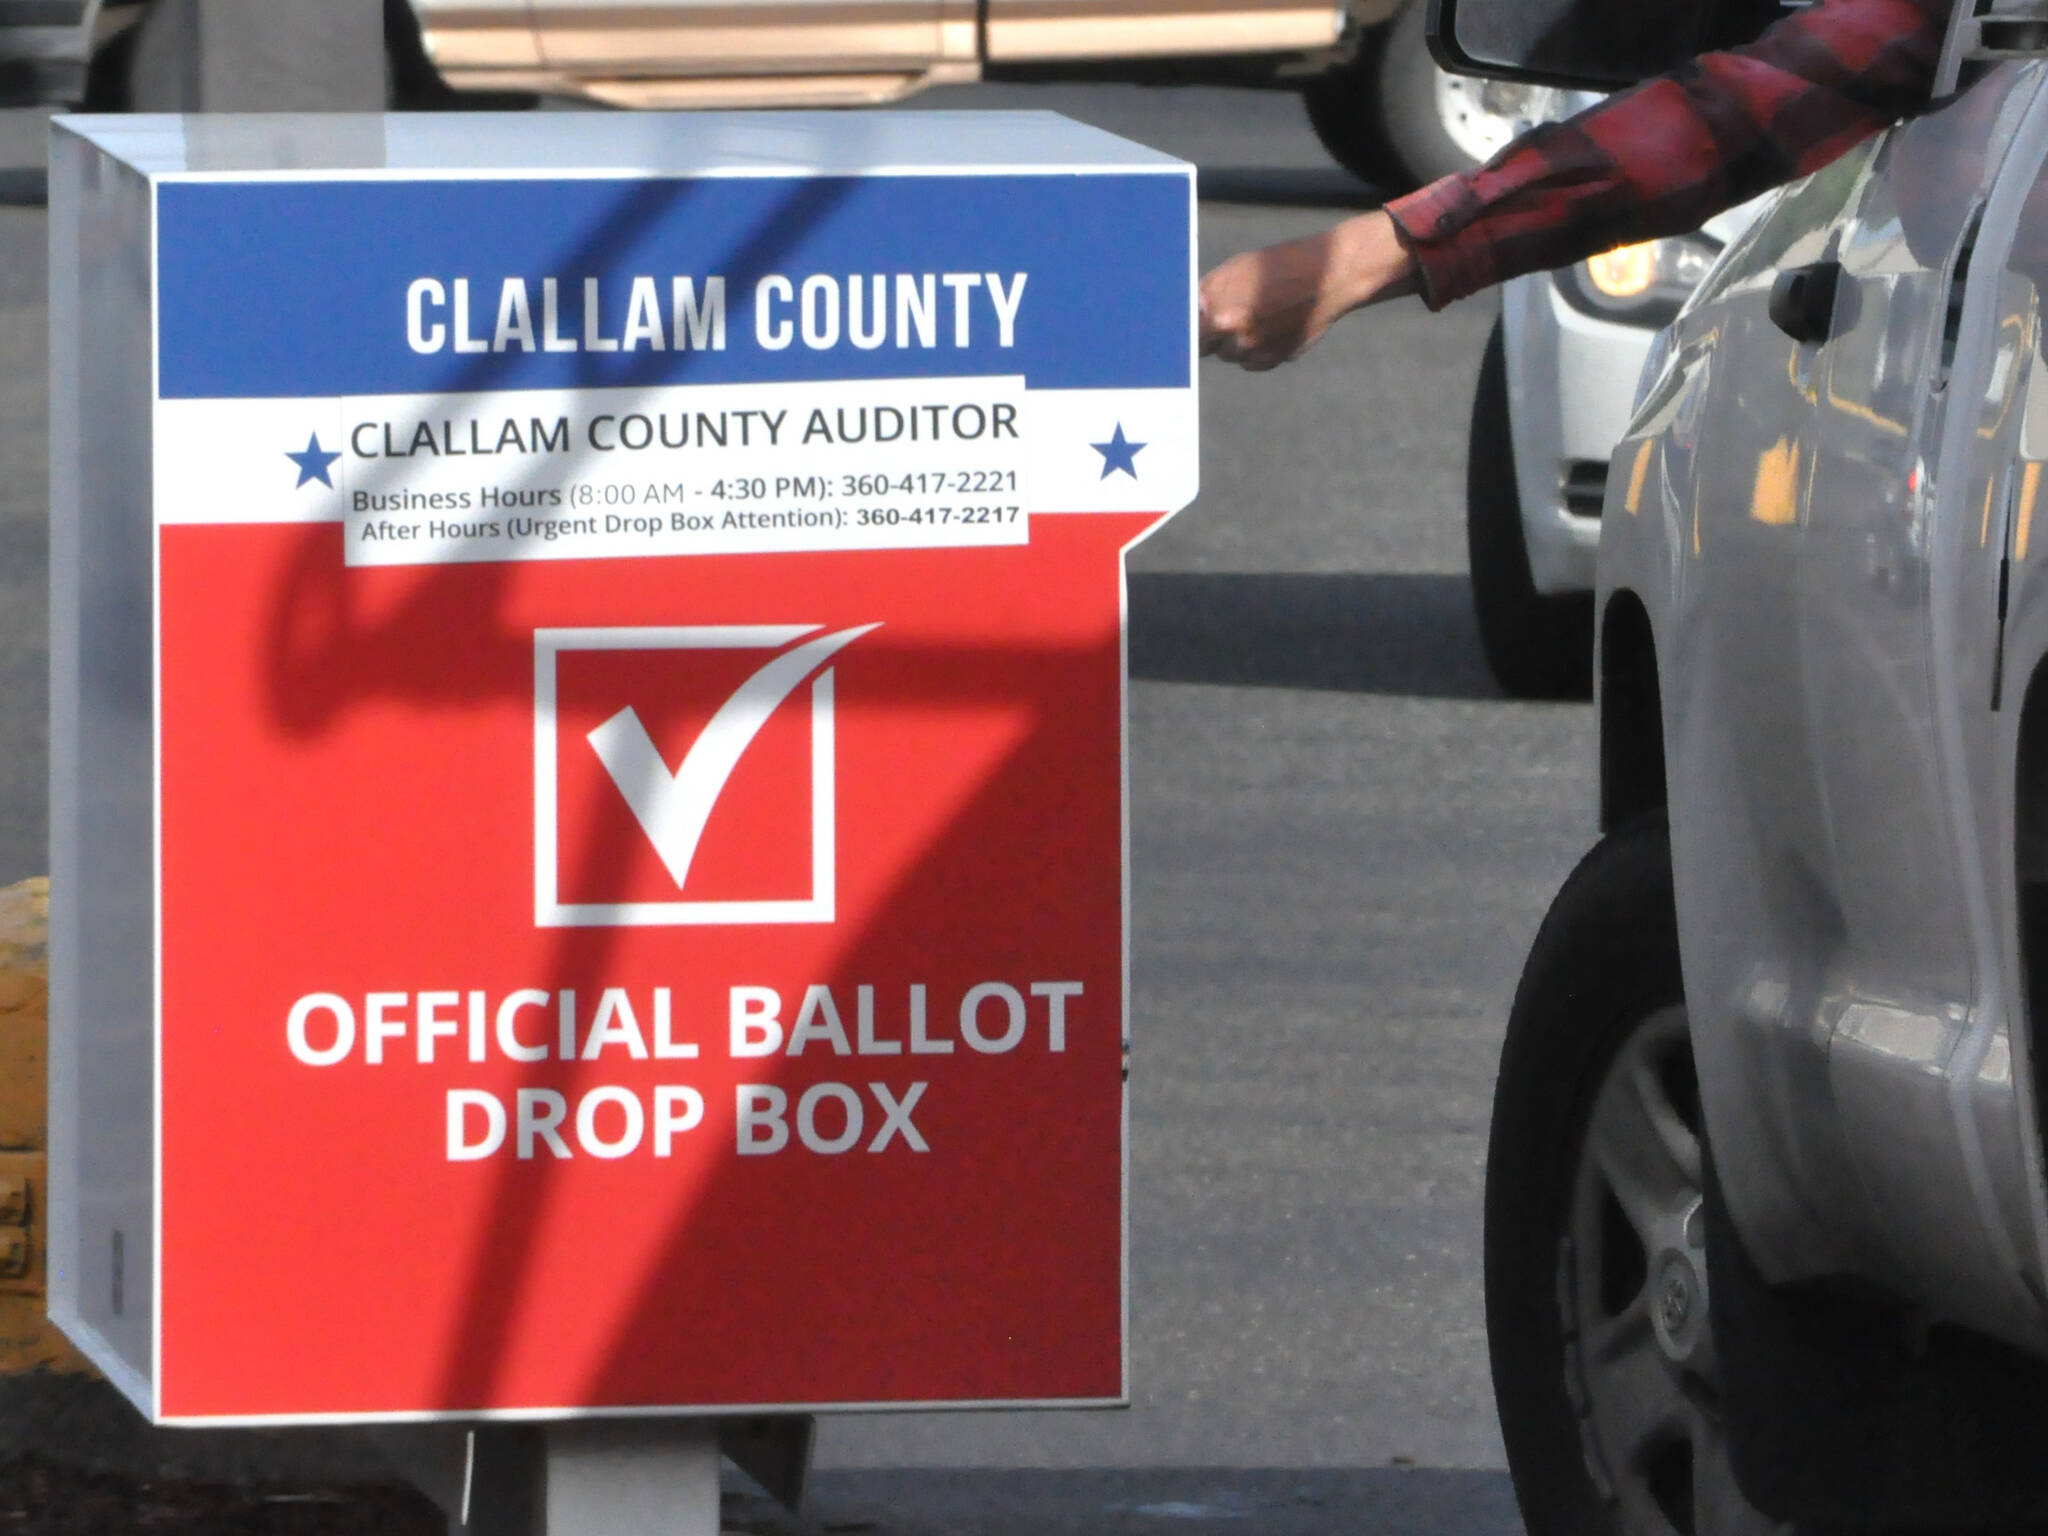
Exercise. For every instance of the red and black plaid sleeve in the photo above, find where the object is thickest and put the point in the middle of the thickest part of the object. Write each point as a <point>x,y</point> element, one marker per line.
<point>1666,156</point>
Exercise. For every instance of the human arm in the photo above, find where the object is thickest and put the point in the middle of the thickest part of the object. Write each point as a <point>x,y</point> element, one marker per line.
<point>1264,307</point>
<point>1668,155</point>
<point>1659,159</point>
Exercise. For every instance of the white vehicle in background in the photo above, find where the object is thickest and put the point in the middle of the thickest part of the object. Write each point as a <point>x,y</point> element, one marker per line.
<point>1556,385</point>
<point>1374,95</point>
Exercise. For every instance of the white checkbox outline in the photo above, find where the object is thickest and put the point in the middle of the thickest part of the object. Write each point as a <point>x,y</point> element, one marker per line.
<point>550,911</point>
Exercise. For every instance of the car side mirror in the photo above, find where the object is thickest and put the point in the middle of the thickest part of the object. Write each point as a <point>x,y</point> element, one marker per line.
<point>1597,45</point>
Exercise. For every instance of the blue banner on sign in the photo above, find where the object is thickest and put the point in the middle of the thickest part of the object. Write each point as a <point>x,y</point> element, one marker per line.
<point>343,287</point>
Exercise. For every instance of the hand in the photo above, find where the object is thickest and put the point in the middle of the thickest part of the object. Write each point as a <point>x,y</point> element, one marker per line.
<point>1268,306</point>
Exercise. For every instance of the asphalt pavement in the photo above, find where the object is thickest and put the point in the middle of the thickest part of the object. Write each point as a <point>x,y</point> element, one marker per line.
<point>1343,841</point>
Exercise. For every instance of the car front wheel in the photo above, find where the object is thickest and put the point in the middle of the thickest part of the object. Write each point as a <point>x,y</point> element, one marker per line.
<point>1597,1309</point>
<point>1538,645</point>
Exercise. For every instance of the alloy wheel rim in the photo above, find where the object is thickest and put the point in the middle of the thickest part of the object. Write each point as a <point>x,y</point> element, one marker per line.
<point>1479,116</point>
<point>1632,1290</point>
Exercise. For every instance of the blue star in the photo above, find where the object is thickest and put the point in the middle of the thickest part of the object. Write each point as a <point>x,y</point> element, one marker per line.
<point>313,462</point>
<point>1118,453</point>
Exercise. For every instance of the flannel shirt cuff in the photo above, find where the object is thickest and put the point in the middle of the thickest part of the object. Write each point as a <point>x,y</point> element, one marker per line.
<point>1440,227</point>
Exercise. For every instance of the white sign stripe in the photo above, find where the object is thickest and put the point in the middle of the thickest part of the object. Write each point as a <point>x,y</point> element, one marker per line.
<point>403,465</point>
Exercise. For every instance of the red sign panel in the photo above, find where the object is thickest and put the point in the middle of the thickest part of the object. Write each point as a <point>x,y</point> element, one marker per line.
<point>627,983</point>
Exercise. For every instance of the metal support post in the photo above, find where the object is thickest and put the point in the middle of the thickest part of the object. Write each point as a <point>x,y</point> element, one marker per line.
<point>595,1477</point>
<point>638,1476</point>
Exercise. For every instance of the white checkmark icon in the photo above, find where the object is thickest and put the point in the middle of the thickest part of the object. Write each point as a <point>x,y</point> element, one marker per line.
<point>672,809</point>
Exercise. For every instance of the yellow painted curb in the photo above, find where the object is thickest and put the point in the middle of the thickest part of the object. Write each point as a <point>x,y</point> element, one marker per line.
<point>27,1340</point>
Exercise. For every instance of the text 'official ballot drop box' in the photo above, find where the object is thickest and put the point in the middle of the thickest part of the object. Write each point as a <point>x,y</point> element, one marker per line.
<point>588,772</point>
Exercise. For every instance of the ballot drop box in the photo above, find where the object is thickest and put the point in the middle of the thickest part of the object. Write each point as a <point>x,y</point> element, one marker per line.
<point>588,764</point>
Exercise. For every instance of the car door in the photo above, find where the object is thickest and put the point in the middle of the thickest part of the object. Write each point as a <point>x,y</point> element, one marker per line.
<point>1990,638</point>
<point>481,44</point>
<point>1898,599</point>
<point>1043,31</point>
<point>654,53</point>
<point>1739,404</point>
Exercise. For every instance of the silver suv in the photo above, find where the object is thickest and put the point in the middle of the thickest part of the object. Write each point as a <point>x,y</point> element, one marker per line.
<point>1767,1227</point>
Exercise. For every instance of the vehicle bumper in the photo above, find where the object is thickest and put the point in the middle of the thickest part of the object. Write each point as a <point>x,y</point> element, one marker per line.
<point>1571,389</point>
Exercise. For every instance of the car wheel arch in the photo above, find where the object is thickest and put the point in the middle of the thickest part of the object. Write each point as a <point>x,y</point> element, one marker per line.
<point>1632,776</point>
<point>2030,875</point>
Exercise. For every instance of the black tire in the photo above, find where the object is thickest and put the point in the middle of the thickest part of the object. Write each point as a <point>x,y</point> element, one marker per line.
<point>1343,109</point>
<point>1537,646</point>
<point>106,78</point>
<point>1825,1404</point>
<point>1411,120</point>
<point>1597,1048</point>
<point>1378,114</point>
<point>1845,1411</point>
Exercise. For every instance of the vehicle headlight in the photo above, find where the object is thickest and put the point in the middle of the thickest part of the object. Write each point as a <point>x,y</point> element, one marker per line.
<point>1640,284</point>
